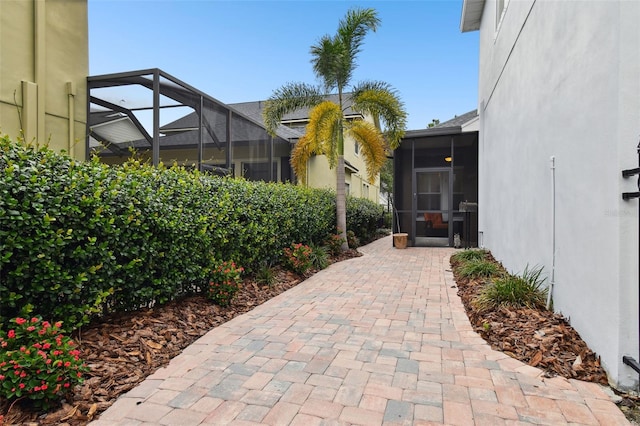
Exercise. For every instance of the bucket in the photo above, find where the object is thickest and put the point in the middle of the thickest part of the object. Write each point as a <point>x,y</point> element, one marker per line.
<point>400,240</point>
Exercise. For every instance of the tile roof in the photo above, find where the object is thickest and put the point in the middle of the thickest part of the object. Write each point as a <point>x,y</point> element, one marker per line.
<point>460,120</point>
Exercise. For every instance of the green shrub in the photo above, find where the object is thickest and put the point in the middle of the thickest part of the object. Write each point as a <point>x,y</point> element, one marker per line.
<point>382,232</point>
<point>353,240</point>
<point>38,362</point>
<point>80,239</point>
<point>514,291</point>
<point>265,275</point>
<point>53,255</point>
<point>387,220</point>
<point>364,217</point>
<point>319,256</point>
<point>467,255</point>
<point>479,268</point>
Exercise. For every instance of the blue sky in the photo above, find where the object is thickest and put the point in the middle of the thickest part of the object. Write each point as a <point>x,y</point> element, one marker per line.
<point>242,50</point>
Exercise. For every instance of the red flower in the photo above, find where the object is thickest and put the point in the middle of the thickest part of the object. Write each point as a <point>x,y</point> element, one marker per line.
<point>21,385</point>
<point>31,328</point>
<point>11,334</point>
<point>20,321</point>
<point>34,320</point>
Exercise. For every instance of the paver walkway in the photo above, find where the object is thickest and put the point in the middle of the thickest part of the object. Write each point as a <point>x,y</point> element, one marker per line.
<point>379,339</point>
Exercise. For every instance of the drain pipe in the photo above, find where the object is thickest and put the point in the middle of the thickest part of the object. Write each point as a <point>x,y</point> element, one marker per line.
<point>553,231</point>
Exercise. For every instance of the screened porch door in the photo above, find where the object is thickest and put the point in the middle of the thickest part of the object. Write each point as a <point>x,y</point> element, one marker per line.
<point>432,205</point>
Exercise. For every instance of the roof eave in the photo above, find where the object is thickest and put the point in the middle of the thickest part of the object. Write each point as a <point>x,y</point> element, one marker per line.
<point>432,131</point>
<point>471,15</point>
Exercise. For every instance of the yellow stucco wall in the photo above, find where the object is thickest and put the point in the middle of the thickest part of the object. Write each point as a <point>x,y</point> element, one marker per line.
<point>44,63</point>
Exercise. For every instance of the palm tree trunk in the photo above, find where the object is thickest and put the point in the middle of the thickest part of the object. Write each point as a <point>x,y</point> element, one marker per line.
<point>341,203</point>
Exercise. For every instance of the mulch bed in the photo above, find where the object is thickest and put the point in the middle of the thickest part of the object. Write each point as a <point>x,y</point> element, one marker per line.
<point>537,337</point>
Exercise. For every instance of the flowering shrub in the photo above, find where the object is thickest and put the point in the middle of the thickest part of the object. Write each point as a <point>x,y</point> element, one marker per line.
<point>38,362</point>
<point>224,283</point>
<point>297,258</point>
<point>334,243</point>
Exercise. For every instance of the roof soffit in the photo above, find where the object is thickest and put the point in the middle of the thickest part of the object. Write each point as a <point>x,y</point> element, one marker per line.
<point>471,15</point>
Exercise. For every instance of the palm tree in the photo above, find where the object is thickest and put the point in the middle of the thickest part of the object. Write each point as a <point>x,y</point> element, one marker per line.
<point>334,60</point>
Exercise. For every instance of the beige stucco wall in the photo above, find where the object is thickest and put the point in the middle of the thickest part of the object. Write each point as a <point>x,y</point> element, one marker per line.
<point>44,63</point>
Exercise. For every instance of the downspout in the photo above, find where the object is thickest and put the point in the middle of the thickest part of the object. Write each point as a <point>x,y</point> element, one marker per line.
<point>40,65</point>
<point>553,231</point>
<point>71,93</point>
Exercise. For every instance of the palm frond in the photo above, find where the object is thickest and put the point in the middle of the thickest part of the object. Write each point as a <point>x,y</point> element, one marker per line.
<point>334,58</point>
<point>286,99</point>
<point>354,27</point>
<point>300,157</point>
<point>323,130</point>
<point>383,103</point>
<point>325,60</point>
<point>371,146</point>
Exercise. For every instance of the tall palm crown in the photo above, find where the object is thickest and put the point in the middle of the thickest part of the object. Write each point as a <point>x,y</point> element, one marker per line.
<point>334,60</point>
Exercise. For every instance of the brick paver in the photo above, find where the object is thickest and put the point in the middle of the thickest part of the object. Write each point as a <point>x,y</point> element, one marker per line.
<point>379,339</point>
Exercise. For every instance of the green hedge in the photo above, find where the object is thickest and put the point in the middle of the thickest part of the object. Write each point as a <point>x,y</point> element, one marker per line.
<point>78,239</point>
<point>364,218</point>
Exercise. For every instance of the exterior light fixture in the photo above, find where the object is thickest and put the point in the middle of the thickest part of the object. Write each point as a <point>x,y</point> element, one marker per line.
<point>447,159</point>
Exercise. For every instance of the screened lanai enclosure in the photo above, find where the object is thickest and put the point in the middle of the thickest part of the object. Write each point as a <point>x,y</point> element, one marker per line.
<point>436,187</point>
<point>155,117</point>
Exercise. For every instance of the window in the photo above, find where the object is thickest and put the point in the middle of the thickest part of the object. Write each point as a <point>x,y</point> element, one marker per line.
<point>357,145</point>
<point>346,188</point>
<point>365,190</point>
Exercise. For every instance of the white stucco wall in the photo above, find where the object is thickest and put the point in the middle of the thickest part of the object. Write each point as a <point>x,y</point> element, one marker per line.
<point>562,79</point>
